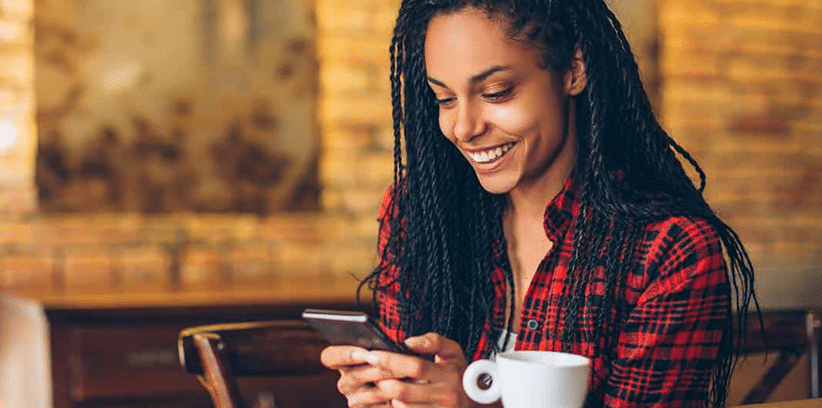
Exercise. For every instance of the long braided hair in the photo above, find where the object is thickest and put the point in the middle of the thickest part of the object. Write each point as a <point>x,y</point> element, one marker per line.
<point>445,226</point>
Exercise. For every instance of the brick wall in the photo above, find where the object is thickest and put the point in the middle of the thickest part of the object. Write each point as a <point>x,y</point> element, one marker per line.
<point>127,253</point>
<point>739,87</point>
<point>355,105</point>
<point>17,143</point>
<point>742,89</point>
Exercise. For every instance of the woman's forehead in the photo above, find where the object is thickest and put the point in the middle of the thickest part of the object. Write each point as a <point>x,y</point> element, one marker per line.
<point>470,40</point>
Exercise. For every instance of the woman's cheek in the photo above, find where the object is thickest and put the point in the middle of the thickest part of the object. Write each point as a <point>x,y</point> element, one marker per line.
<point>510,119</point>
<point>446,126</point>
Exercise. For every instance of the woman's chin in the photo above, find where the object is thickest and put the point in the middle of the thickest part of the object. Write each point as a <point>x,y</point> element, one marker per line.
<point>495,184</point>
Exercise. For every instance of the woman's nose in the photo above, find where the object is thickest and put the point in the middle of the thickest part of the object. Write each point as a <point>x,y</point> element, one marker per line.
<point>468,122</point>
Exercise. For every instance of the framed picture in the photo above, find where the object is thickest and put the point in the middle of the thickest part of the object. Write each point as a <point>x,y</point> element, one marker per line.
<point>159,106</point>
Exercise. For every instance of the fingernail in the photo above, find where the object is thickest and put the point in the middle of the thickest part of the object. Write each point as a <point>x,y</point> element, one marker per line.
<point>417,342</point>
<point>358,355</point>
<point>372,358</point>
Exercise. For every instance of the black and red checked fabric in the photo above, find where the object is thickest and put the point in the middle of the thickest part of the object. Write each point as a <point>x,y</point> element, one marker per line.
<point>677,300</point>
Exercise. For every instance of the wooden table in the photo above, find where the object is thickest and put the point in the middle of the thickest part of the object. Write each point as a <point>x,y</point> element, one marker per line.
<point>127,358</point>
<point>120,350</point>
<point>808,403</point>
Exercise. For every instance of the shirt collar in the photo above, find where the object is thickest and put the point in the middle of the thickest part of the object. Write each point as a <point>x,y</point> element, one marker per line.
<point>561,211</point>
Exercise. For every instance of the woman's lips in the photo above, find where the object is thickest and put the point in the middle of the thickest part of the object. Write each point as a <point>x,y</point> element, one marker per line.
<point>488,160</point>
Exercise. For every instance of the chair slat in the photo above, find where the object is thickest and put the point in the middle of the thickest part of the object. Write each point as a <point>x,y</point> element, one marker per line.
<point>259,348</point>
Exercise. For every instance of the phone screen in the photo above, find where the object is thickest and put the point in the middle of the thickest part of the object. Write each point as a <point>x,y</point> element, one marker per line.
<point>351,328</point>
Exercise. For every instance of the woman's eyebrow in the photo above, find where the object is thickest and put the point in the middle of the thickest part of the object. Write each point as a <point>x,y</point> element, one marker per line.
<point>476,78</point>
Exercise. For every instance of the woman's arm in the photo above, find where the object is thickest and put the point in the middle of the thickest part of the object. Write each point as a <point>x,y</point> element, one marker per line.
<point>669,344</point>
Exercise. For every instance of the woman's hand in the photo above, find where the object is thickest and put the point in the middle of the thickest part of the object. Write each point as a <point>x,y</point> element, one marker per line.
<point>417,382</point>
<point>380,378</point>
<point>357,377</point>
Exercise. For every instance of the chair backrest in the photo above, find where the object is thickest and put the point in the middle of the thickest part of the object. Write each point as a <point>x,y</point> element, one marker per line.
<point>218,354</point>
<point>789,337</point>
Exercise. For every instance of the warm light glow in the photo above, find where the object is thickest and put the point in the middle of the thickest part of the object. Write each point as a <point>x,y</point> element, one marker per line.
<point>10,32</point>
<point>8,134</point>
<point>17,8</point>
<point>233,30</point>
<point>122,76</point>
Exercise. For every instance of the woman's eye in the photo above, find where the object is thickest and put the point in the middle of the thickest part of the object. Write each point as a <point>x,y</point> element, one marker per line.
<point>499,96</point>
<point>445,102</point>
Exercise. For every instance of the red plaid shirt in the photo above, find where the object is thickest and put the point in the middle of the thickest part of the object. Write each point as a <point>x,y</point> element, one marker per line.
<point>677,298</point>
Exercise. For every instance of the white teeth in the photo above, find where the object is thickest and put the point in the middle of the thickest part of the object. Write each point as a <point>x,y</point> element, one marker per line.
<point>491,154</point>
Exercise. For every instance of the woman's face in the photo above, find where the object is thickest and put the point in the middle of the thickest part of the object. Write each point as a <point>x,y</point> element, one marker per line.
<point>508,116</point>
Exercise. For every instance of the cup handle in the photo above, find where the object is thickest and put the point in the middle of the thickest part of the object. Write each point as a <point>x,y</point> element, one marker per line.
<point>471,376</point>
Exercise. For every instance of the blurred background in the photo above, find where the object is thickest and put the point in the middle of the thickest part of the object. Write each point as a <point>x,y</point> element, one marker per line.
<point>215,152</point>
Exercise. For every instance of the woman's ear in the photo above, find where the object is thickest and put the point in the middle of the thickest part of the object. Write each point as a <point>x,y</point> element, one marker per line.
<point>575,77</point>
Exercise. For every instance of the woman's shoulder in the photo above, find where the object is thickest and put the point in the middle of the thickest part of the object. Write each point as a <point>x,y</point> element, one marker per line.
<point>679,249</point>
<point>681,230</point>
<point>385,202</point>
<point>387,215</point>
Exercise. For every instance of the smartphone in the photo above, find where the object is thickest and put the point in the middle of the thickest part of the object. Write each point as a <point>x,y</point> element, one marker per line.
<point>342,327</point>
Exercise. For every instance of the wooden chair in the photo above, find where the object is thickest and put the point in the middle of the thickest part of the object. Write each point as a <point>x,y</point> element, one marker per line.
<point>789,335</point>
<point>219,354</point>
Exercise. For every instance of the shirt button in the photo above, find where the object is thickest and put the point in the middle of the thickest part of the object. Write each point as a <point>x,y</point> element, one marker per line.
<point>533,324</point>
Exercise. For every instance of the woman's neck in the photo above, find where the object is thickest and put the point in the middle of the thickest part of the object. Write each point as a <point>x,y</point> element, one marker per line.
<point>529,200</point>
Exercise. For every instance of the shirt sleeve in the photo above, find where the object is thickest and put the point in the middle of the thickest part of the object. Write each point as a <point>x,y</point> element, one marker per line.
<point>670,341</point>
<point>387,298</point>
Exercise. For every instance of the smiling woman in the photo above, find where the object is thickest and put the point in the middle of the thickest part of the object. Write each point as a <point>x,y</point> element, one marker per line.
<point>538,205</point>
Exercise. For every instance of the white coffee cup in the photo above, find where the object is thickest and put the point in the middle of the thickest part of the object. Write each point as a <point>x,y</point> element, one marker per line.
<point>531,379</point>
